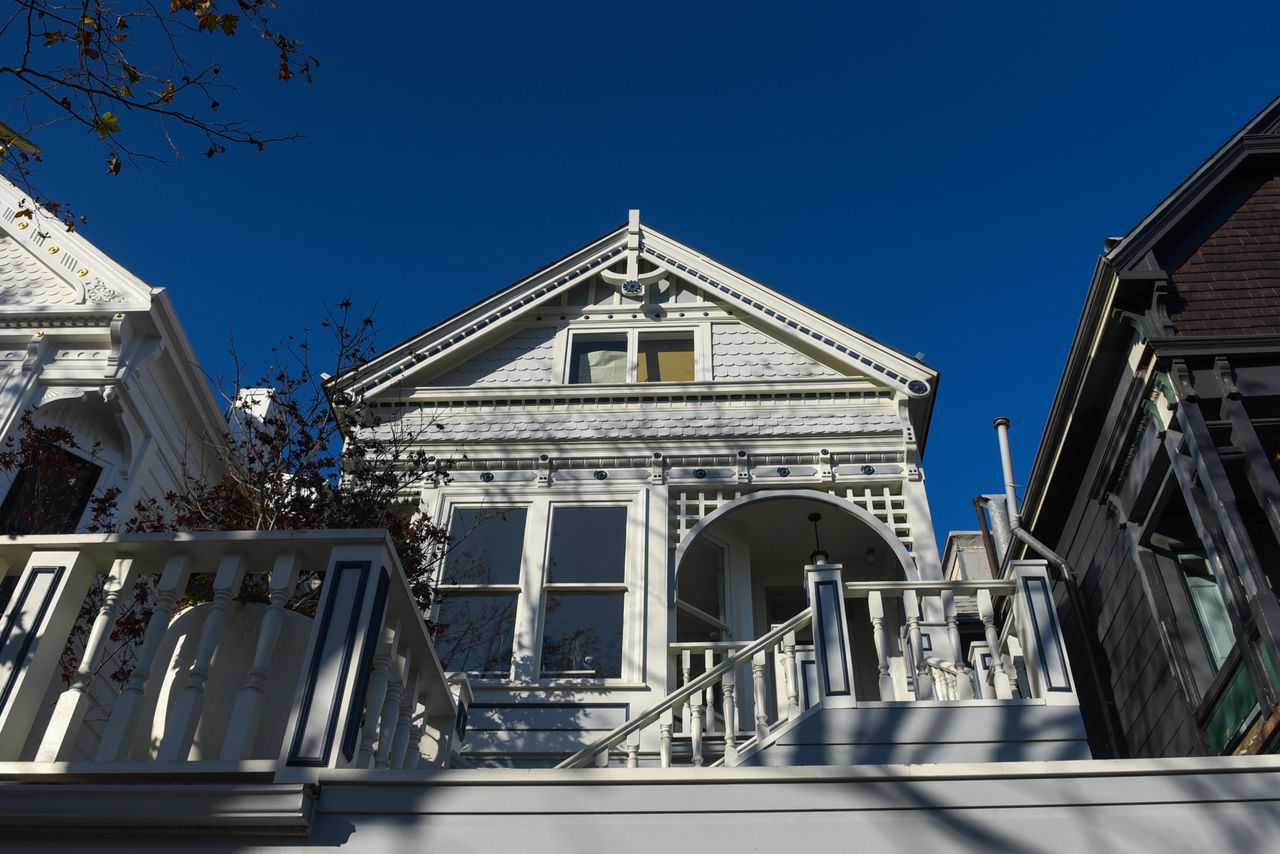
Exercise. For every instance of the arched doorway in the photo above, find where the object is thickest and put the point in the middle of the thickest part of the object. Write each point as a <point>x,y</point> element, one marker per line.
<point>740,570</point>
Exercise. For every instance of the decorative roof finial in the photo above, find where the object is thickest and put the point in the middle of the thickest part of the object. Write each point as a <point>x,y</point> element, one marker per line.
<point>631,281</point>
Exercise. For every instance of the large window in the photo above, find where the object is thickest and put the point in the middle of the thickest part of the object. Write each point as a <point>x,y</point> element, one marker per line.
<point>480,589</point>
<point>535,592</point>
<point>584,589</point>
<point>632,356</point>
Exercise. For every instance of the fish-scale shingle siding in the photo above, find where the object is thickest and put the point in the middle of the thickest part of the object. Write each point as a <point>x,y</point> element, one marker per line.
<point>742,353</point>
<point>523,359</point>
<point>25,281</point>
<point>500,424</point>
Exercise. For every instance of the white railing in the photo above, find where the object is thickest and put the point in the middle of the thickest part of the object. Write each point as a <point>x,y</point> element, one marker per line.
<point>691,712</point>
<point>914,625</point>
<point>294,650</point>
<point>914,632</point>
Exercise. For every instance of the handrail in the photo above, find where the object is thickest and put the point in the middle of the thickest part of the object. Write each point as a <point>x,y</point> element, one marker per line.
<point>860,589</point>
<point>717,646</point>
<point>946,666</point>
<point>698,613</point>
<point>692,687</point>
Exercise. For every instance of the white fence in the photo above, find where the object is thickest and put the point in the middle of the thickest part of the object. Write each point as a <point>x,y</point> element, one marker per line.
<point>289,651</point>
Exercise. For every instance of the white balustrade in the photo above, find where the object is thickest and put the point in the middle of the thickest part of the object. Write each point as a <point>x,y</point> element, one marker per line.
<point>338,672</point>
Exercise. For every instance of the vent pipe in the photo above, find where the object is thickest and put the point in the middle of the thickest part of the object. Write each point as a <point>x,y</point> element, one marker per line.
<point>1067,574</point>
<point>1006,463</point>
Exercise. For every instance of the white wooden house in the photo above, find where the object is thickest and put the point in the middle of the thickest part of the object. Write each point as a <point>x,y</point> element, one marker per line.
<point>690,529</point>
<point>646,446</point>
<point>87,346</point>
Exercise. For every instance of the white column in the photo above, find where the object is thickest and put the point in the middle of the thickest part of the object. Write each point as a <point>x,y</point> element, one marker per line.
<point>875,605</point>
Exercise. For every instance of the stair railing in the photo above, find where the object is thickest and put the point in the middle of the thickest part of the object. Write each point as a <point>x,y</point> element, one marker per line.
<point>694,691</point>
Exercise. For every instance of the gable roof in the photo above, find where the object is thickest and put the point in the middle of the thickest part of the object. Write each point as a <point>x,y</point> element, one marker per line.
<point>782,317</point>
<point>44,266</point>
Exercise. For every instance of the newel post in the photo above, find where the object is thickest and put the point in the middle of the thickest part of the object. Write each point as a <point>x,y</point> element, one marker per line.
<point>824,583</point>
<point>329,703</point>
<point>1044,649</point>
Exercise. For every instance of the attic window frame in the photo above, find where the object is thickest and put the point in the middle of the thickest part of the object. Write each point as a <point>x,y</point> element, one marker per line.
<point>698,333</point>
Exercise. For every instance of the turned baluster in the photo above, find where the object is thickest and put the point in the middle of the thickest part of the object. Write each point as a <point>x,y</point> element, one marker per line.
<point>376,694</point>
<point>875,605</point>
<point>633,751</point>
<point>730,710</point>
<point>963,682</point>
<point>759,697</point>
<point>116,739</point>
<point>404,726</point>
<point>180,728</point>
<point>924,682</point>
<point>686,668</point>
<point>695,726</point>
<point>792,674</point>
<point>709,705</point>
<point>247,710</point>
<point>61,732</point>
<point>1000,676</point>
<point>391,709</point>
<point>664,740</point>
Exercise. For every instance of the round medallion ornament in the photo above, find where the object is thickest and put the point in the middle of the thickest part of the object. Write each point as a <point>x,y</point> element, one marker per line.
<point>699,473</point>
<point>487,477</point>
<point>601,474</point>
<point>784,472</point>
<point>868,469</point>
<point>918,387</point>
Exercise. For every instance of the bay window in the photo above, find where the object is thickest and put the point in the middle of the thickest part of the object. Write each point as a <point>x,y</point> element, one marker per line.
<point>536,592</point>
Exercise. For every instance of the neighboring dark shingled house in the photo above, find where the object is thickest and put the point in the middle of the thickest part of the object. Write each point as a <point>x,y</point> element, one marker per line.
<point>1232,283</point>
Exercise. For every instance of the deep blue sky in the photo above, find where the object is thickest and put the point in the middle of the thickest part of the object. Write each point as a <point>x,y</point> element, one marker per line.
<point>941,177</point>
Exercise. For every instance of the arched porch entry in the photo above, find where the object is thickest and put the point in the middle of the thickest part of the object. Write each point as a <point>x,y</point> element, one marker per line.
<point>740,570</point>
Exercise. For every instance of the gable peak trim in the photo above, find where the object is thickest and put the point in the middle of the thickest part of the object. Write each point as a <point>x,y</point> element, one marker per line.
<point>914,387</point>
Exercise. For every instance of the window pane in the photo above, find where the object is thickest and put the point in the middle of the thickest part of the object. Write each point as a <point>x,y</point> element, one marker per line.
<point>582,635</point>
<point>598,360</point>
<point>588,545</point>
<point>664,359</point>
<point>476,632</point>
<point>486,546</point>
<point>1211,610</point>
<point>51,497</point>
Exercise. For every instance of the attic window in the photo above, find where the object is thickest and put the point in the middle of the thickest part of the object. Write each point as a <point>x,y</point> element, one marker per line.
<point>598,359</point>
<point>616,358</point>
<point>664,358</point>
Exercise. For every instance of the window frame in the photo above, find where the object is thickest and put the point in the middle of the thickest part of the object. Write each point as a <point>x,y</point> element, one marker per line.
<point>698,333</point>
<point>530,619</point>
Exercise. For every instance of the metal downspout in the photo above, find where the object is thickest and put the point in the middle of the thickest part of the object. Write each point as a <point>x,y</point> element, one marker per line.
<point>1068,576</point>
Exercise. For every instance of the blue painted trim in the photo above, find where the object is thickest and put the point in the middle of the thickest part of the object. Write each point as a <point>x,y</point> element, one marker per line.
<point>1053,627</point>
<point>364,671</point>
<point>29,639</point>
<point>313,668</point>
<point>820,623</point>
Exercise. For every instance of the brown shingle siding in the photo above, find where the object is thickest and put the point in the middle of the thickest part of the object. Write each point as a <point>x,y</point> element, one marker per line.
<point>1231,285</point>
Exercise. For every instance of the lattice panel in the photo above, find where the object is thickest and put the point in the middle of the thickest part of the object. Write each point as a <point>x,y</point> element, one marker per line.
<point>885,502</point>
<point>689,507</point>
